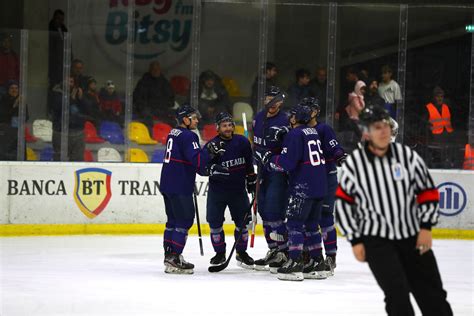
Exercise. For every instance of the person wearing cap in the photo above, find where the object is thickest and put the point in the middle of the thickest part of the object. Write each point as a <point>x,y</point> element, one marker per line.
<point>110,104</point>
<point>9,61</point>
<point>386,204</point>
<point>230,191</point>
<point>181,162</point>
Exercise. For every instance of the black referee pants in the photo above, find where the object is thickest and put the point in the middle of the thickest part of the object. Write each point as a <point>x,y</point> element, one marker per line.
<point>399,269</point>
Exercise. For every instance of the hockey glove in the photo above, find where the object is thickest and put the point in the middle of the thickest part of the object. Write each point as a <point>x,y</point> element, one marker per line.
<point>341,160</point>
<point>276,133</point>
<point>215,149</point>
<point>217,171</point>
<point>262,157</point>
<point>251,183</point>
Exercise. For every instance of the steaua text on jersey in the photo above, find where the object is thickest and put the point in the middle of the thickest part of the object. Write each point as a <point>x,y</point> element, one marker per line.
<point>181,162</point>
<point>302,157</point>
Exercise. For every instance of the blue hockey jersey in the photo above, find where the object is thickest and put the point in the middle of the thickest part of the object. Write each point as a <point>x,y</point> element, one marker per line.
<point>238,158</point>
<point>261,127</point>
<point>302,157</point>
<point>331,147</point>
<point>181,162</point>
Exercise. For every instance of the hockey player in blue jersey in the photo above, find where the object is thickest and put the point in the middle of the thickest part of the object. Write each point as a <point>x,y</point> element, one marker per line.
<point>230,191</point>
<point>272,195</point>
<point>302,157</point>
<point>181,162</point>
<point>334,155</point>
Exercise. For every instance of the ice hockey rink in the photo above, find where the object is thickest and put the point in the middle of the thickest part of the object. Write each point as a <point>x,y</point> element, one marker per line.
<point>123,275</point>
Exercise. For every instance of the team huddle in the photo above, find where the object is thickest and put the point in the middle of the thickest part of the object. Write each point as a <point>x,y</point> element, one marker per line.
<point>293,189</point>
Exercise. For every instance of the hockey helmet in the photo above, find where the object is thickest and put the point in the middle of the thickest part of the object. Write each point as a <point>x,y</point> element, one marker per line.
<point>223,117</point>
<point>186,110</point>
<point>302,113</point>
<point>372,114</point>
<point>312,102</point>
<point>276,94</point>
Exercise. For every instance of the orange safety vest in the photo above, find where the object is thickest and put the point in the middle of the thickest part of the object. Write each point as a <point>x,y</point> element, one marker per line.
<point>439,122</point>
<point>468,158</point>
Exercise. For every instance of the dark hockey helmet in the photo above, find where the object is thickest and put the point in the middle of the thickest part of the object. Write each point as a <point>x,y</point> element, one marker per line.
<point>372,114</point>
<point>276,93</point>
<point>185,110</point>
<point>224,117</point>
<point>272,91</point>
<point>312,102</point>
<point>302,113</point>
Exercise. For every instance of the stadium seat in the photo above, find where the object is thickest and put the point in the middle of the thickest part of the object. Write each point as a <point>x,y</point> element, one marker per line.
<point>239,130</point>
<point>108,154</point>
<point>158,155</point>
<point>43,129</point>
<point>161,131</point>
<point>137,155</point>
<point>46,154</point>
<point>242,107</point>
<point>30,154</point>
<point>180,85</point>
<point>111,132</point>
<point>28,137</point>
<point>88,156</point>
<point>138,132</point>
<point>232,87</point>
<point>90,134</point>
<point>209,132</point>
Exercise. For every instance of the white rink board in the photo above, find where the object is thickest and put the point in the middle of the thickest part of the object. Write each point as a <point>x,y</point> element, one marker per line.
<point>134,195</point>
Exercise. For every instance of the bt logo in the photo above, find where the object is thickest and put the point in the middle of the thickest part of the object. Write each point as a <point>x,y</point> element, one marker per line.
<point>452,198</point>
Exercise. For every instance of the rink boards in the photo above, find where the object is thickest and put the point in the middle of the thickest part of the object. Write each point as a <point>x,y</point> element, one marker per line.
<point>80,198</point>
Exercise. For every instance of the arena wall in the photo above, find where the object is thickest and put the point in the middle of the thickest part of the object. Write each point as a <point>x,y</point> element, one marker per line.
<point>68,198</point>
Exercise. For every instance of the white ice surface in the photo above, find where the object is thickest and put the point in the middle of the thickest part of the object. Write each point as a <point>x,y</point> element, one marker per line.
<point>123,275</point>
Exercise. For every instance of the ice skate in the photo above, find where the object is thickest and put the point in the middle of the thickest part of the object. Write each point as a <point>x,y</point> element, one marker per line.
<point>315,269</point>
<point>291,271</point>
<point>244,260</point>
<point>175,264</point>
<point>218,259</point>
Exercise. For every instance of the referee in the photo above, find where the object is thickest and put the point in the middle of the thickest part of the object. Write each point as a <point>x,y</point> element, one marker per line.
<point>386,205</point>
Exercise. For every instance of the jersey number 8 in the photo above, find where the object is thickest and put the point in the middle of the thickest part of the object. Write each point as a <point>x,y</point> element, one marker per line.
<point>169,146</point>
<point>315,156</point>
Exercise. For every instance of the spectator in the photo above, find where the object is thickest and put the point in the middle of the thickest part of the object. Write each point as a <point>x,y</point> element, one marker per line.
<point>110,104</point>
<point>372,98</point>
<point>390,91</point>
<point>77,71</point>
<point>364,75</point>
<point>346,88</point>
<point>78,114</point>
<point>300,89</point>
<point>9,62</point>
<point>318,87</point>
<point>213,97</point>
<point>440,131</point>
<point>356,100</point>
<point>153,96</point>
<point>9,105</point>
<point>91,101</point>
<point>57,31</point>
<point>271,72</point>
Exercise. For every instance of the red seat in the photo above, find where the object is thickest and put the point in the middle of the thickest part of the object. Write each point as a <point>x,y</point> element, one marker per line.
<point>180,85</point>
<point>209,132</point>
<point>28,137</point>
<point>90,134</point>
<point>88,157</point>
<point>161,131</point>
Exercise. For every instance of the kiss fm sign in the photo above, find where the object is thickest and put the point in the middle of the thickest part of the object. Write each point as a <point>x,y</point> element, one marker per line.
<point>163,30</point>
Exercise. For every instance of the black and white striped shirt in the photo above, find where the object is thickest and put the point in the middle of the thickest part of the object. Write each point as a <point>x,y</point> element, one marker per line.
<point>389,197</point>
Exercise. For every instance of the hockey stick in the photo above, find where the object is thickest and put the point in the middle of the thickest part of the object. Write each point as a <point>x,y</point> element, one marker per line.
<point>254,213</point>
<point>242,227</point>
<point>198,222</point>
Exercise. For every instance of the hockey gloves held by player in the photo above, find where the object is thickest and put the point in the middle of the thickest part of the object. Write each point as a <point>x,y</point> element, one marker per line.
<point>251,183</point>
<point>215,148</point>
<point>217,171</point>
<point>276,133</point>
<point>262,158</point>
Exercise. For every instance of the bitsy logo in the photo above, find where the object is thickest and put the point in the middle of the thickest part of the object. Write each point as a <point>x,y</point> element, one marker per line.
<point>92,190</point>
<point>452,199</point>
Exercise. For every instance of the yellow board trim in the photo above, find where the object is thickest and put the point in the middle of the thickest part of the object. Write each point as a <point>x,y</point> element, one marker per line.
<point>15,230</point>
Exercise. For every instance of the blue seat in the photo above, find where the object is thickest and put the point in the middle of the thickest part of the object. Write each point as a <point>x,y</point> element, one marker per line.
<point>46,154</point>
<point>112,132</point>
<point>158,155</point>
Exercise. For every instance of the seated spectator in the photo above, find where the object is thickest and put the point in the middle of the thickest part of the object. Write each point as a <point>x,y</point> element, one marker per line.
<point>110,104</point>
<point>300,89</point>
<point>91,100</point>
<point>9,62</point>
<point>390,91</point>
<point>78,114</point>
<point>153,96</point>
<point>9,105</point>
<point>439,130</point>
<point>271,72</point>
<point>318,86</point>
<point>77,71</point>
<point>213,97</point>
<point>372,97</point>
